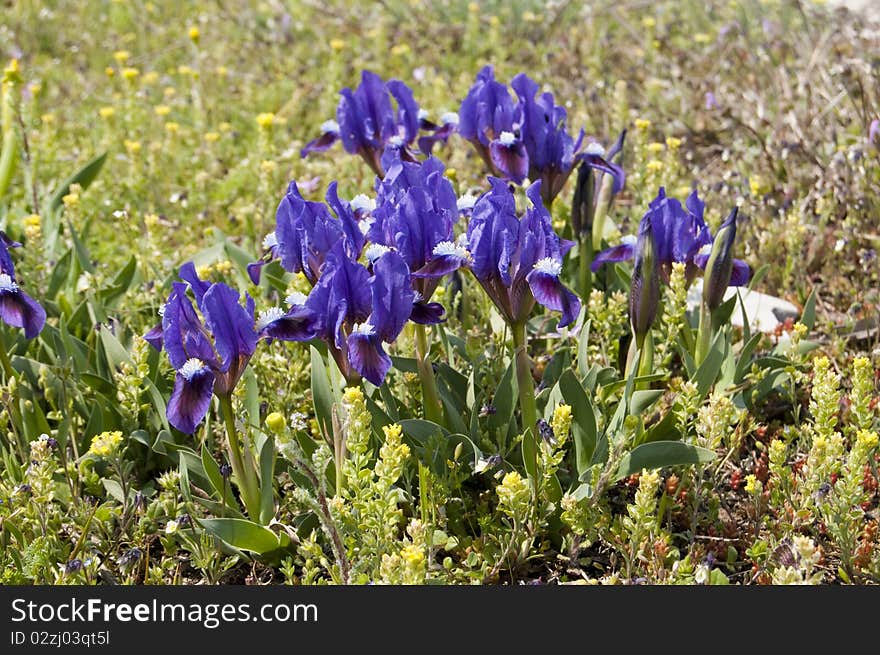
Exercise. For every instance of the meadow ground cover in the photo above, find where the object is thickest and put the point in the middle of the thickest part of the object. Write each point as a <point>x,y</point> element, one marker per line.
<point>438,292</point>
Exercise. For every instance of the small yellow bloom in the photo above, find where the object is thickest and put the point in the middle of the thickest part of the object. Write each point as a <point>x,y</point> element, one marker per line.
<point>275,422</point>
<point>194,34</point>
<point>110,71</point>
<point>642,124</point>
<point>151,77</point>
<point>204,271</point>
<point>649,22</point>
<point>151,221</point>
<point>702,37</point>
<point>211,137</point>
<point>172,128</point>
<point>222,71</point>
<point>70,200</point>
<point>107,112</point>
<point>133,147</point>
<point>494,21</point>
<point>105,444</point>
<point>169,91</point>
<point>268,166</point>
<point>33,227</point>
<point>753,485</point>
<point>162,110</point>
<point>130,74</point>
<point>337,44</point>
<point>655,148</point>
<point>121,56</point>
<point>225,127</point>
<point>452,174</point>
<point>36,87</point>
<point>400,49</point>
<point>47,119</point>
<point>530,17</point>
<point>673,143</point>
<point>265,120</point>
<point>655,166</point>
<point>352,395</point>
<point>392,432</point>
<point>184,70</point>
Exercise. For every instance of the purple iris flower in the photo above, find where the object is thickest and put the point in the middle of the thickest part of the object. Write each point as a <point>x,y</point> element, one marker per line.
<point>516,260</point>
<point>355,312</point>
<point>416,210</point>
<point>210,354</point>
<point>526,138</point>
<point>437,133</point>
<point>16,307</point>
<point>305,231</point>
<point>680,235</point>
<point>367,121</point>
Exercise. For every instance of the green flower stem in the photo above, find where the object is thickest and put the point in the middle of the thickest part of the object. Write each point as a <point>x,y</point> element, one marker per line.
<point>524,380</point>
<point>646,359</point>
<point>585,258</point>
<point>4,358</point>
<point>244,475</point>
<point>704,334</point>
<point>430,396</point>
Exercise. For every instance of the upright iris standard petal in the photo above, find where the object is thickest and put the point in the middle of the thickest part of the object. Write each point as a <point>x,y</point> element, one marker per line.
<point>188,274</point>
<point>493,232</point>
<point>18,309</point>
<point>191,396</point>
<point>231,324</point>
<point>6,265</point>
<point>392,296</point>
<point>355,238</point>
<point>305,232</point>
<point>183,334</point>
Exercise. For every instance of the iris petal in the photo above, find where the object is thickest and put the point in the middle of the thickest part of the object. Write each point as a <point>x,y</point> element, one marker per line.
<point>550,292</point>
<point>230,323</point>
<point>511,160</point>
<point>427,313</point>
<point>618,253</point>
<point>367,357</point>
<point>321,144</point>
<point>741,273</point>
<point>20,310</point>
<point>298,324</point>
<point>190,400</point>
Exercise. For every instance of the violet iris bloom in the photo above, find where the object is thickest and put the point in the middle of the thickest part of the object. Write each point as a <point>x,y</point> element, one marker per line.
<point>416,210</point>
<point>526,138</point>
<point>16,307</point>
<point>516,260</point>
<point>305,231</point>
<point>680,235</point>
<point>355,312</point>
<point>210,354</point>
<point>367,121</point>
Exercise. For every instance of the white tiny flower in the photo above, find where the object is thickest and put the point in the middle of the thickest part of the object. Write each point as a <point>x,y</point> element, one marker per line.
<point>6,283</point>
<point>270,241</point>
<point>269,316</point>
<point>507,139</point>
<point>191,367</point>
<point>171,527</point>
<point>330,127</point>
<point>839,245</point>
<point>363,328</point>
<point>296,299</point>
<point>549,266</point>
<point>595,148</point>
<point>120,213</point>
<point>374,251</point>
<point>449,118</point>
<point>701,574</point>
